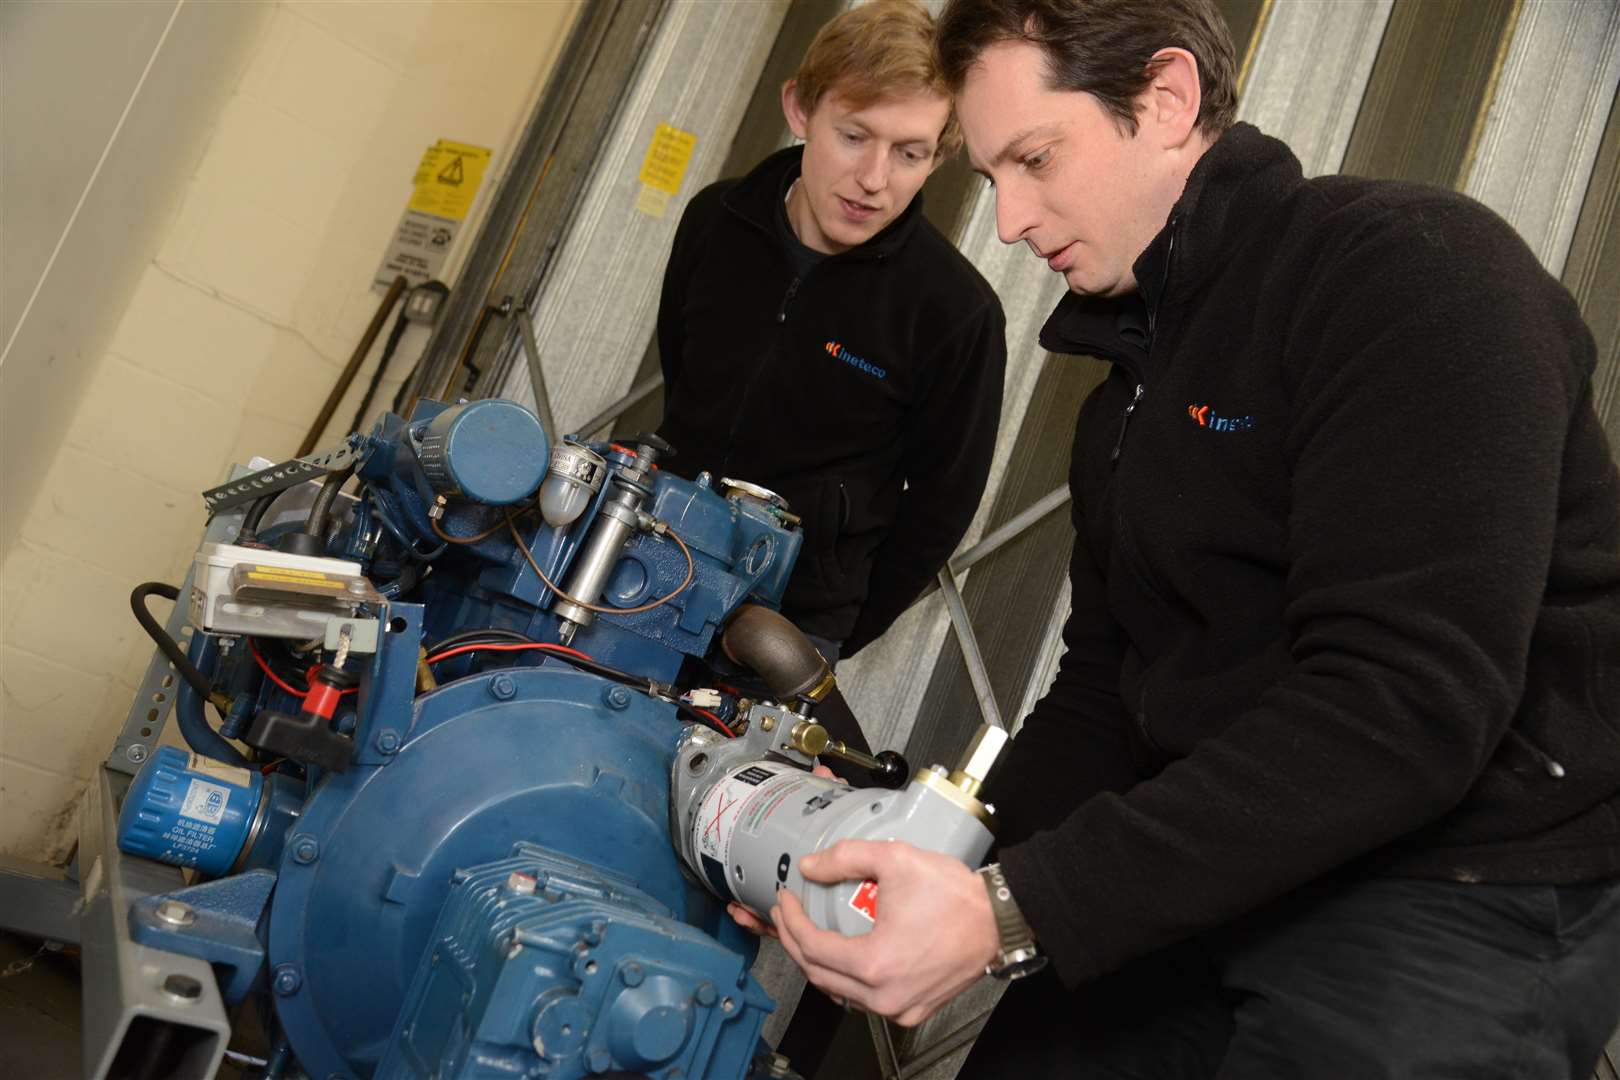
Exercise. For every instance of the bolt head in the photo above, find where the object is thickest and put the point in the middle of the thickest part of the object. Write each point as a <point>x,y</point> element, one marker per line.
<point>287,980</point>
<point>305,849</point>
<point>632,974</point>
<point>502,687</point>
<point>600,1061</point>
<point>135,753</point>
<point>176,913</point>
<point>706,994</point>
<point>616,697</point>
<point>387,740</point>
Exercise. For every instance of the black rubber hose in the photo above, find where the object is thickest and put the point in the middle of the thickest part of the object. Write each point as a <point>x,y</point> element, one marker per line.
<point>321,508</point>
<point>255,514</point>
<point>171,649</point>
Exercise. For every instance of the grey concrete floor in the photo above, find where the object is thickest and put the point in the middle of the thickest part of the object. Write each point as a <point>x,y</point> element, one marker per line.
<point>39,1011</point>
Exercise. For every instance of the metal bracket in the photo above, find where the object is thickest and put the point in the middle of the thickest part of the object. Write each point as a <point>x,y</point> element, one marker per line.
<point>216,921</point>
<point>146,1010</point>
<point>241,490</point>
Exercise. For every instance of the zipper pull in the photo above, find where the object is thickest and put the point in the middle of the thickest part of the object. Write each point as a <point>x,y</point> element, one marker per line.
<point>781,316</point>
<point>1125,422</point>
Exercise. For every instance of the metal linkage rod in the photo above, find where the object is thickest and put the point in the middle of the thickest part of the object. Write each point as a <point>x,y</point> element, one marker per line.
<point>1025,518</point>
<point>970,648</point>
<point>637,393</point>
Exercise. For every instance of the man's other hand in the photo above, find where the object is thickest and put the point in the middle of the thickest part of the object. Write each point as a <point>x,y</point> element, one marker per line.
<point>933,937</point>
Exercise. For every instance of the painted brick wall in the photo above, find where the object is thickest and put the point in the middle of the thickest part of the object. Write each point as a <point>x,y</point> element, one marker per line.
<point>234,336</point>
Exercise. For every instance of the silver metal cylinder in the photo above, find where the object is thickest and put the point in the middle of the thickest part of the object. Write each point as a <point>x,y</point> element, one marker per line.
<point>755,822</point>
<point>615,524</point>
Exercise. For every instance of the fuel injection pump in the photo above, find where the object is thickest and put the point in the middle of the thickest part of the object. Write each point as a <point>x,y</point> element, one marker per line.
<point>746,810</point>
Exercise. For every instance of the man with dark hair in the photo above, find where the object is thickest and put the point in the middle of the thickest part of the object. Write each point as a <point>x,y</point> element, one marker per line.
<point>1328,782</point>
<point>819,337</point>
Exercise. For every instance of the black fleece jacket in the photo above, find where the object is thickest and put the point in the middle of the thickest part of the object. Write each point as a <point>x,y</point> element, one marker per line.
<point>1346,581</point>
<point>867,392</point>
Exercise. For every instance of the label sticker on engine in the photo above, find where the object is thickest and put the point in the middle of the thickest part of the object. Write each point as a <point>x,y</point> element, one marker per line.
<point>864,899</point>
<point>205,802</point>
<point>722,805</point>
<point>218,770</point>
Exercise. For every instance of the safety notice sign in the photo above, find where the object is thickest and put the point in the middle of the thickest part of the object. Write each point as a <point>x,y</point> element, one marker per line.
<point>663,168</point>
<point>443,191</point>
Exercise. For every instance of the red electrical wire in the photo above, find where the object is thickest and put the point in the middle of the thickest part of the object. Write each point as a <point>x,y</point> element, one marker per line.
<point>538,646</point>
<point>719,723</point>
<point>258,658</point>
<point>514,647</point>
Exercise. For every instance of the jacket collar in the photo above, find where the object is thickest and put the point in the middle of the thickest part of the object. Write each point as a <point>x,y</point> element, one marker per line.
<point>755,199</point>
<point>1238,182</point>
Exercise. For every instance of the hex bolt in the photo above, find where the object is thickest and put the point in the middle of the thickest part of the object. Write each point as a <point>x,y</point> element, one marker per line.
<point>305,849</point>
<point>502,687</point>
<point>136,753</point>
<point>706,993</point>
<point>287,980</point>
<point>183,987</point>
<point>616,697</point>
<point>176,913</point>
<point>601,1061</point>
<point>632,974</point>
<point>387,741</point>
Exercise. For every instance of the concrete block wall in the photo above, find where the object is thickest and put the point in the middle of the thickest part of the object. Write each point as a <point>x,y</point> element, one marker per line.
<point>235,333</point>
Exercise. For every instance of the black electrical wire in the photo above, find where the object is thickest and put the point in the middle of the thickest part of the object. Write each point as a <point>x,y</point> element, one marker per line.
<point>488,633</point>
<point>594,667</point>
<point>171,648</point>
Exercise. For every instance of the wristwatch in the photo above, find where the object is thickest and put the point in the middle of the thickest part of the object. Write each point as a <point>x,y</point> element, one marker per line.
<point>1018,956</point>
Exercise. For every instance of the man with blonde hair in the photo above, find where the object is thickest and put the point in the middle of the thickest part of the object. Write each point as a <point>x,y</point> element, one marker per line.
<point>820,338</point>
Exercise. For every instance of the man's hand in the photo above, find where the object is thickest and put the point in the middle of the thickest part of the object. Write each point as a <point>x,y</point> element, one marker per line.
<point>934,934</point>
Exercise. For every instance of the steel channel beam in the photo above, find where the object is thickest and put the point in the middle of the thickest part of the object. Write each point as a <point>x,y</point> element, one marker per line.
<point>138,1001</point>
<point>38,900</point>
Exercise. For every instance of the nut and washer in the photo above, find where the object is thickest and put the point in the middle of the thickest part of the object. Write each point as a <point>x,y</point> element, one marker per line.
<point>136,753</point>
<point>387,741</point>
<point>305,849</point>
<point>616,697</point>
<point>502,687</point>
<point>287,980</point>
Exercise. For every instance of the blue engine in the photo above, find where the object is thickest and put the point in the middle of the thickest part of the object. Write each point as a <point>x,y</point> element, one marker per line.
<point>448,854</point>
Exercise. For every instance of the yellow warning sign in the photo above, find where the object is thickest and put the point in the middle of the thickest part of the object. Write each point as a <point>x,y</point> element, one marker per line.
<point>447,179</point>
<point>667,158</point>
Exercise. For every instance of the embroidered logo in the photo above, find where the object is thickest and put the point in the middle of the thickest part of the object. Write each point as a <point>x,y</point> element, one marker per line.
<point>1207,417</point>
<point>838,352</point>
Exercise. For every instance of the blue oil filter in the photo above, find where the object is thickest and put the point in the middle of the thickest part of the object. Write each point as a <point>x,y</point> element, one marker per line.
<point>189,810</point>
